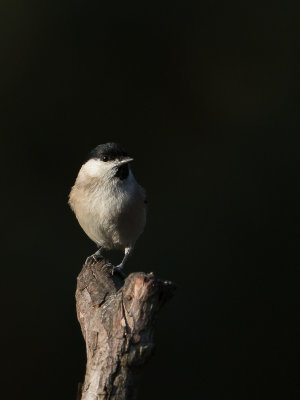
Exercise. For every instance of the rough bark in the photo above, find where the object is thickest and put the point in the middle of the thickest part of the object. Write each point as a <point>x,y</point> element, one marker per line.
<point>117,319</point>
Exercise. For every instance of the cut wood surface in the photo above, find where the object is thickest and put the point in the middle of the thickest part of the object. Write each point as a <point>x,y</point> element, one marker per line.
<point>117,318</point>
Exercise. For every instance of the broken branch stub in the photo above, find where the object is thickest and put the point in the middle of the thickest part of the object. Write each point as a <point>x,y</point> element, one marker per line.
<point>117,319</point>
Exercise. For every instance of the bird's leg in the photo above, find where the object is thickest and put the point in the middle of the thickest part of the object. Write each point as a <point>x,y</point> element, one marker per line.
<point>119,268</point>
<point>94,257</point>
<point>128,251</point>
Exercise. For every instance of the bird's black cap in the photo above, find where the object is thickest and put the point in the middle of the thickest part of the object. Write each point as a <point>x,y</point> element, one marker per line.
<point>108,152</point>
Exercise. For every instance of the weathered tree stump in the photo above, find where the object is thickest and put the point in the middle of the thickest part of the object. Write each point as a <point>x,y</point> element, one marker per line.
<point>117,319</point>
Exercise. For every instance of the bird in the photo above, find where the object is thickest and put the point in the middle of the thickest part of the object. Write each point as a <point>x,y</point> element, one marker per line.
<point>108,203</point>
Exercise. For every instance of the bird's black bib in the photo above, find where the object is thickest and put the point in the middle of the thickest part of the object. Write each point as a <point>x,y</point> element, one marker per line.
<point>122,172</point>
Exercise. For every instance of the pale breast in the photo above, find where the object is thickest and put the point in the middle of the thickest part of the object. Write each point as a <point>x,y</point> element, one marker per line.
<point>112,216</point>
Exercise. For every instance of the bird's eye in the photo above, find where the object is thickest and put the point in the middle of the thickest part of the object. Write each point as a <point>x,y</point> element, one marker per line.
<point>105,158</point>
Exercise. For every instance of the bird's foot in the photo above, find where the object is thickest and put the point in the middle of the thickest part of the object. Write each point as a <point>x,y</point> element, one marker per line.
<point>93,259</point>
<point>115,268</point>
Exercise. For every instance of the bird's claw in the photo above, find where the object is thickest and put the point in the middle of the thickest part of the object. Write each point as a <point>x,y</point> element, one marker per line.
<point>115,268</point>
<point>93,259</point>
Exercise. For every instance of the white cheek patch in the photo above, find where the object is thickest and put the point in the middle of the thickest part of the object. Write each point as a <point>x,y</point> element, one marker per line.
<point>92,168</point>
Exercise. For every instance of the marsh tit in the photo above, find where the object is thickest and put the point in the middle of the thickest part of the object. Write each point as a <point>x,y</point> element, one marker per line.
<point>109,204</point>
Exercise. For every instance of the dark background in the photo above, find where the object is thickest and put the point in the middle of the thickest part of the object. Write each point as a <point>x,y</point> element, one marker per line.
<point>204,96</point>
